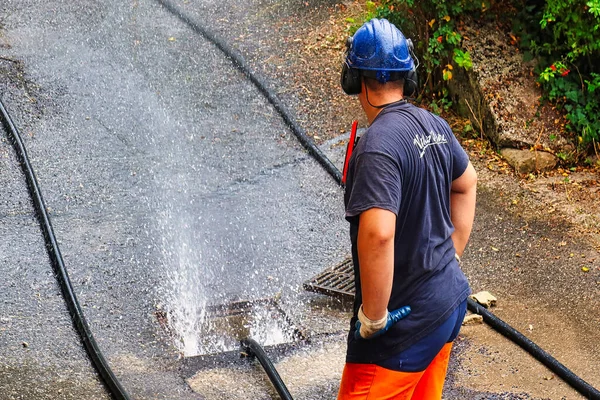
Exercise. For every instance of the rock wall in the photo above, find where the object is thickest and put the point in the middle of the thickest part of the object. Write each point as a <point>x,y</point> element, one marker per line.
<point>501,97</point>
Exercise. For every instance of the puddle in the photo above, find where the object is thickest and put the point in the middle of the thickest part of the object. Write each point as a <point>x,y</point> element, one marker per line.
<point>311,371</point>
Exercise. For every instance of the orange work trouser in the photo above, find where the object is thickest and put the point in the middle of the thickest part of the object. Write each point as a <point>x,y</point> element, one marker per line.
<point>372,382</point>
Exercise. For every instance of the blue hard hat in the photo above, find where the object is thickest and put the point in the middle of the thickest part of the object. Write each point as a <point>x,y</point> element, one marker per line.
<point>379,46</point>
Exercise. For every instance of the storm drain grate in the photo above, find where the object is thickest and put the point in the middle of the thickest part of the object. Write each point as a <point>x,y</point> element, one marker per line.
<point>336,281</point>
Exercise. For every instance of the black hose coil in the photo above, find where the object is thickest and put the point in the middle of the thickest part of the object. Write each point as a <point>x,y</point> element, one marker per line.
<point>79,321</point>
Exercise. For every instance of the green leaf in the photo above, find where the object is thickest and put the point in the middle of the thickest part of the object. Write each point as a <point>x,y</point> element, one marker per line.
<point>594,8</point>
<point>573,96</point>
<point>462,59</point>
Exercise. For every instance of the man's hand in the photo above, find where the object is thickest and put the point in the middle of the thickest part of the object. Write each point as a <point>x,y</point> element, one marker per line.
<point>369,329</point>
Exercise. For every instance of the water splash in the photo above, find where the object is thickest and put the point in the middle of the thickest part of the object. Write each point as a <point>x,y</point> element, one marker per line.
<point>199,327</point>
<point>190,294</point>
<point>268,328</point>
<point>184,291</point>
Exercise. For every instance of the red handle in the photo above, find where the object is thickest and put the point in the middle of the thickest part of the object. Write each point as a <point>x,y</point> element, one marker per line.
<point>349,149</point>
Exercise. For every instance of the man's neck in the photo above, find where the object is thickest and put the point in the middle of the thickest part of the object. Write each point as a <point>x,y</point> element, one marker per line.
<point>371,101</point>
<point>370,105</point>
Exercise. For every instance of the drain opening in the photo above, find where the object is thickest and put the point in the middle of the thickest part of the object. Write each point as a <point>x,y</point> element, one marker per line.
<point>220,328</point>
<point>337,281</point>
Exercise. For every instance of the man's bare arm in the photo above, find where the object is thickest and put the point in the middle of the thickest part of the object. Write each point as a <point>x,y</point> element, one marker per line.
<point>376,233</point>
<point>462,207</point>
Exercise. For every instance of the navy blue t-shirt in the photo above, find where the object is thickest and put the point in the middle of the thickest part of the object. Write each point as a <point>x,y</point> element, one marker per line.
<point>405,163</point>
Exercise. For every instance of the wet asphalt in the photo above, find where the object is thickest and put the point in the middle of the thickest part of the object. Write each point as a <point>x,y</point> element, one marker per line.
<point>163,167</point>
<point>155,156</point>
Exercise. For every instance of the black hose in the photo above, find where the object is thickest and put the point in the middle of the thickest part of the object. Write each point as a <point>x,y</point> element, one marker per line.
<point>254,349</point>
<point>109,379</point>
<point>538,353</point>
<point>241,65</point>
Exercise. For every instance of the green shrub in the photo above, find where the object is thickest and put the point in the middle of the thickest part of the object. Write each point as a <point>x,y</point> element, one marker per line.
<point>562,35</point>
<point>564,38</point>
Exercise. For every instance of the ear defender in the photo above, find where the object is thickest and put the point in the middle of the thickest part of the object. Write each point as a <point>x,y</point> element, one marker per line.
<point>411,84</point>
<point>350,78</point>
<point>411,80</point>
<point>350,81</point>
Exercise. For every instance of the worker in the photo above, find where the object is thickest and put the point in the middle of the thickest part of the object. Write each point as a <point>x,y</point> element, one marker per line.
<point>410,201</point>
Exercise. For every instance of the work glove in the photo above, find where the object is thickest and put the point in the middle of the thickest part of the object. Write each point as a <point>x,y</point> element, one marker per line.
<point>369,329</point>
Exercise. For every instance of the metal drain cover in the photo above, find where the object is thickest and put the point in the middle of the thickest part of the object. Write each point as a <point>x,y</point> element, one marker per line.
<point>336,281</point>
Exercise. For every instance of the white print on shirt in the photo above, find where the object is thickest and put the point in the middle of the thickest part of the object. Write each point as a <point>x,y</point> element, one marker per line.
<point>423,142</point>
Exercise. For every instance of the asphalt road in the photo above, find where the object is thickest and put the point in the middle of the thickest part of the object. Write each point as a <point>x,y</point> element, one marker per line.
<point>172,184</point>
